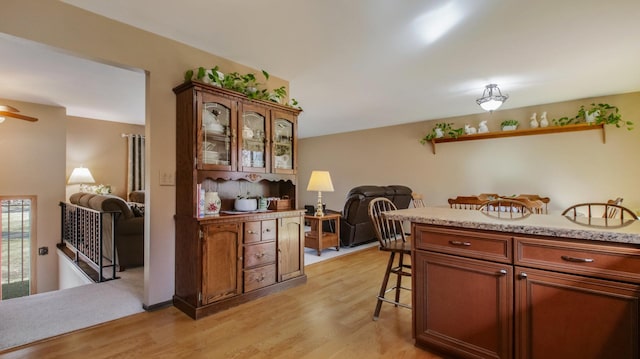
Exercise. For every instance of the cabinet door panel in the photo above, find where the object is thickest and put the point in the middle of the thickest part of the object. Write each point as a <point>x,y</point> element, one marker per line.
<point>216,126</point>
<point>463,306</point>
<point>220,261</point>
<point>290,248</point>
<point>284,151</point>
<point>565,316</point>
<point>253,134</point>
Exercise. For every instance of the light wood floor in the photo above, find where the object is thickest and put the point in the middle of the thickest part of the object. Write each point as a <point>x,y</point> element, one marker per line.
<point>329,317</point>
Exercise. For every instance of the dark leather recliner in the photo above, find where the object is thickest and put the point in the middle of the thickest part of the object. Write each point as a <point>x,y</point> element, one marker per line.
<point>355,225</point>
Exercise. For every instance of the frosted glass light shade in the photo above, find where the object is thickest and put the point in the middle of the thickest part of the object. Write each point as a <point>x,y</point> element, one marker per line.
<point>81,175</point>
<point>320,181</point>
<point>491,105</point>
<point>492,98</point>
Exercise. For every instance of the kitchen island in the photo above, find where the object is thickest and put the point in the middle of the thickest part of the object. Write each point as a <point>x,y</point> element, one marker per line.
<point>543,286</point>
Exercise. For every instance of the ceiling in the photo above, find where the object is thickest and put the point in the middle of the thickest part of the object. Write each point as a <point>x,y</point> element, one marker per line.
<point>35,73</point>
<point>361,64</point>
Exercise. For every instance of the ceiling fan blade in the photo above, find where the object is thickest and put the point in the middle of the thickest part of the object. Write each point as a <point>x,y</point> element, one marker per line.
<point>8,108</point>
<point>15,115</point>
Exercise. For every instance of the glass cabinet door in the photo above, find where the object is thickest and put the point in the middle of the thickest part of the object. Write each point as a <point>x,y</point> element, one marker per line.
<point>253,133</point>
<point>216,127</point>
<point>284,143</point>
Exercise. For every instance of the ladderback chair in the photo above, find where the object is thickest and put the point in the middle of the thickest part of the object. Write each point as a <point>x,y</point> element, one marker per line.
<point>417,200</point>
<point>605,210</point>
<point>392,238</point>
<point>613,211</point>
<point>537,206</point>
<point>503,207</point>
<point>467,202</point>
<point>537,202</point>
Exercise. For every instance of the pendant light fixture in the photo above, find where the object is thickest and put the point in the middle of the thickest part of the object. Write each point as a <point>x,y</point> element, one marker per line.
<point>491,98</point>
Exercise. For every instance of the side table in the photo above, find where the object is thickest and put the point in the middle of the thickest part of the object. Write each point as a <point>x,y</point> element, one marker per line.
<point>317,238</point>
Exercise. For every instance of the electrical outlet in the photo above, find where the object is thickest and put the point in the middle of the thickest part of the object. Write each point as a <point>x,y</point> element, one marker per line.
<point>43,251</point>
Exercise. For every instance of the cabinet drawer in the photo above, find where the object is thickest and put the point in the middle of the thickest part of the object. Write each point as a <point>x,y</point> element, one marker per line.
<point>252,232</point>
<point>259,254</point>
<point>597,260</point>
<point>269,230</point>
<point>465,243</point>
<point>260,231</point>
<point>259,277</point>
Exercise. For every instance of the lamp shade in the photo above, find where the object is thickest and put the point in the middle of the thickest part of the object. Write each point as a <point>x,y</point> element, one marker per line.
<point>320,181</point>
<point>492,98</point>
<point>81,175</point>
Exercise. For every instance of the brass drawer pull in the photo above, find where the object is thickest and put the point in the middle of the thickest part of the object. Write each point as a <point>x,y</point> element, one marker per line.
<point>260,279</point>
<point>460,243</point>
<point>260,255</point>
<point>577,260</point>
<point>251,232</point>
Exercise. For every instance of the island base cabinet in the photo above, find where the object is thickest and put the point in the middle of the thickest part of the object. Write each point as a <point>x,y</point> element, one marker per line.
<point>567,316</point>
<point>463,306</point>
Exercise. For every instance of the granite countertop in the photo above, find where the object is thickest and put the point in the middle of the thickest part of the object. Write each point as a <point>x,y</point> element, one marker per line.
<point>554,225</point>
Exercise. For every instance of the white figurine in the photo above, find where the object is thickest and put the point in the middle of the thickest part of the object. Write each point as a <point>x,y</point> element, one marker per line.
<point>482,127</point>
<point>439,133</point>
<point>469,130</point>
<point>543,120</point>
<point>533,123</point>
<point>591,117</point>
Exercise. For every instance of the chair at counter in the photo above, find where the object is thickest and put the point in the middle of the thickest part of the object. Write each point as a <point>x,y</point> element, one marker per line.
<point>392,238</point>
<point>537,204</point>
<point>503,208</point>
<point>605,210</point>
<point>467,202</point>
<point>417,200</point>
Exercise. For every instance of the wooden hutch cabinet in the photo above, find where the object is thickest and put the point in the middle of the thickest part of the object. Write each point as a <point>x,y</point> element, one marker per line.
<point>229,144</point>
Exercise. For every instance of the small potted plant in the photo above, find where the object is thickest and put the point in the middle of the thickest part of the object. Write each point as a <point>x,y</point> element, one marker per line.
<point>509,125</point>
<point>442,129</point>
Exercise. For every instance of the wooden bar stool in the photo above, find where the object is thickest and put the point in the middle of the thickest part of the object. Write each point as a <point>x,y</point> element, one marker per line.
<point>392,239</point>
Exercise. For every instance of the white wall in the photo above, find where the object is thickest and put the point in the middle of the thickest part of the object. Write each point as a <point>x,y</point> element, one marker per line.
<point>32,163</point>
<point>97,38</point>
<point>567,167</point>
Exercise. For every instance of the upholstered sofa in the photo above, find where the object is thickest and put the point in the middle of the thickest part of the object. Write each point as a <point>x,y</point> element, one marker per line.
<point>355,225</point>
<point>129,228</point>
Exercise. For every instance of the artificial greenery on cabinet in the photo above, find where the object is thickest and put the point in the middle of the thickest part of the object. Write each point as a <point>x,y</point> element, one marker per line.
<point>246,84</point>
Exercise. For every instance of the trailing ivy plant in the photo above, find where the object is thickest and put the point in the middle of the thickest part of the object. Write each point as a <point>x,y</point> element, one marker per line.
<point>604,114</point>
<point>247,84</point>
<point>446,129</point>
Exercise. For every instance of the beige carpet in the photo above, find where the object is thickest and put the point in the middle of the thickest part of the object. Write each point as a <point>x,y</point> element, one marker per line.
<point>28,319</point>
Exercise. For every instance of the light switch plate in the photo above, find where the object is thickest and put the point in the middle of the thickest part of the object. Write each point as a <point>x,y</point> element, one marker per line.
<point>167,178</point>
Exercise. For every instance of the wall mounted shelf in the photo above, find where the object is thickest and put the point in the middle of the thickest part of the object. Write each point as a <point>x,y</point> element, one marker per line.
<point>525,132</point>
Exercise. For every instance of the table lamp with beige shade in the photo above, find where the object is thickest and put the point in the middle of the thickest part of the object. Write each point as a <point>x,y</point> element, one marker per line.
<point>320,181</point>
<point>82,176</point>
